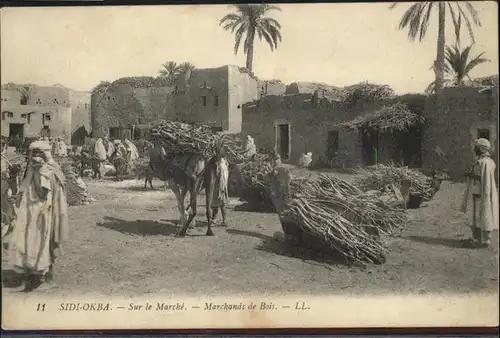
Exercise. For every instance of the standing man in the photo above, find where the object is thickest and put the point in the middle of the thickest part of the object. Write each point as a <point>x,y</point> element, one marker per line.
<point>8,212</point>
<point>481,186</point>
<point>221,195</point>
<point>42,219</point>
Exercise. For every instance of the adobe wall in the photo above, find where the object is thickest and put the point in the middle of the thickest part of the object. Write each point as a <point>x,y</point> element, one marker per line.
<point>242,89</point>
<point>60,123</point>
<point>210,83</point>
<point>49,96</point>
<point>123,106</point>
<point>452,127</point>
<point>80,106</point>
<point>10,96</point>
<point>310,123</point>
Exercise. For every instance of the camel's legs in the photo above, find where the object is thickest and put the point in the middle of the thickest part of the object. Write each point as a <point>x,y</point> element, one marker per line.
<point>209,191</point>
<point>193,202</point>
<point>180,195</point>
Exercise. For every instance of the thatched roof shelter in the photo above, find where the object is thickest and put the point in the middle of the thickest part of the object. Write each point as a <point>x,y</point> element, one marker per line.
<point>394,117</point>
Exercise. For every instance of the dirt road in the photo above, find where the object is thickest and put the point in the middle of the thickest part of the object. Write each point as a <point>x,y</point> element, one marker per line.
<point>124,244</point>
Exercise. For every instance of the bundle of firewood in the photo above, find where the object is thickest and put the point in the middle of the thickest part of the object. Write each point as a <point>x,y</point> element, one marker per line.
<point>76,190</point>
<point>339,216</point>
<point>182,138</point>
<point>253,185</point>
<point>378,177</point>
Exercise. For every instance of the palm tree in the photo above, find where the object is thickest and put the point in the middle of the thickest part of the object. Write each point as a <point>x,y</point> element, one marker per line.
<point>458,65</point>
<point>186,69</point>
<point>416,19</point>
<point>170,71</point>
<point>250,20</point>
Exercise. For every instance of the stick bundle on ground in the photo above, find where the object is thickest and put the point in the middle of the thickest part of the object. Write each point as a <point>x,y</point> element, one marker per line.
<point>341,216</point>
<point>254,188</point>
<point>76,190</point>
<point>380,176</point>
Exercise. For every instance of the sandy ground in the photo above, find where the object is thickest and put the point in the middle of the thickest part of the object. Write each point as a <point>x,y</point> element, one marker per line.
<point>124,244</point>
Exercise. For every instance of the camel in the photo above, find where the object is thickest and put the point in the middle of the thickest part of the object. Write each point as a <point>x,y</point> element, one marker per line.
<point>168,168</point>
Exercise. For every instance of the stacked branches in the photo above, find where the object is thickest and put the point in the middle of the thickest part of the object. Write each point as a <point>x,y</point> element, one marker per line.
<point>395,117</point>
<point>254,185</point>
<point>248,178</point>
<point>341,216</point>
<point>76,190</point>
<point>181,138</point>
<point>365,92</point>
<point>378,177</point>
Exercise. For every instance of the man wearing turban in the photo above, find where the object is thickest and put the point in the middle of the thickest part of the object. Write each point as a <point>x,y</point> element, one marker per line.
<point>481,186</point>
<point>42,219</point>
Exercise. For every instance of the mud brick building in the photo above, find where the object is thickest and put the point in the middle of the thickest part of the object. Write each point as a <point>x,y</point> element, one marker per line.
<point>464,114</point>
<point>304,120</point>
<point>211,96</point>
<point>56,111</point>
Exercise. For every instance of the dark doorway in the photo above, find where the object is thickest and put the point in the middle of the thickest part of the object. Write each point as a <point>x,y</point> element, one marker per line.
<point>283,141</point>
<point>332,144</point>
<point>78,137</point>
<point>370,142</point>
<point>114,133</point>
<point>16,130</point>
<point>483,133</point>
<point>410,146</point>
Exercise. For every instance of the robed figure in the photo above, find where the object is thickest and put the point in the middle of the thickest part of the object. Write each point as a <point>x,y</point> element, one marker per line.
<point>42,219</point>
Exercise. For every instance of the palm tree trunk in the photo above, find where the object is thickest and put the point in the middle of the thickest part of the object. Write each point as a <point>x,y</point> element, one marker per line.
<point>439,64</point>
<point>250,50</point>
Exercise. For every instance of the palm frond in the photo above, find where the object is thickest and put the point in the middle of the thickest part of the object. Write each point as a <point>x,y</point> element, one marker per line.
<point>425,21</point>
<point>474,13</point>
<point>229,17</point>
<point>467,22</point>
<point>238,36</point>
<point>411,19</point>
<point>475,62</point>
<point>456,22</point>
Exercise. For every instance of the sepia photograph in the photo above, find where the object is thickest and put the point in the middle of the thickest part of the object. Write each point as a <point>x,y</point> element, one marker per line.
<point>250,165</point>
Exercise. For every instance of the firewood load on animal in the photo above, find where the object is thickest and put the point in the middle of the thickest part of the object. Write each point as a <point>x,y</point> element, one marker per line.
<point>185,156</point>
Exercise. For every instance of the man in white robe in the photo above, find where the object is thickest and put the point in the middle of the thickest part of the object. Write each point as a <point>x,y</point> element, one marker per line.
<point>42,219</point>
<point>62,149</point>
<point>221,196</point>
<point>250,147</point>
<point>481,188</point>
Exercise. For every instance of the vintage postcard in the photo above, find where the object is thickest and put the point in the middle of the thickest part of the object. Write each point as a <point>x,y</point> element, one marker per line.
<point>250,166</point>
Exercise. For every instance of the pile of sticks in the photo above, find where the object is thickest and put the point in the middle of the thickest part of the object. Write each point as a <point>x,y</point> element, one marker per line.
<point>378,177</point>
<point>181,138</point>
<point>76,190</point>
<point>254,185</point>
<point>341,216</point>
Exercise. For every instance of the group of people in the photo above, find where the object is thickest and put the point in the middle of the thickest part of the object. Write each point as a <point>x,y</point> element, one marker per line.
<point>103,150</point>
<point>41,220</point>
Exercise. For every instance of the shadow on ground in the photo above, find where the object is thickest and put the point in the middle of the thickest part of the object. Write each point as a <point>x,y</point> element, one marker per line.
<point>141,227</point>
<point>11,279</point>
<point>271,245</point>
<point>140,188</point>
<point>248,207</point>
<point>449,242</point>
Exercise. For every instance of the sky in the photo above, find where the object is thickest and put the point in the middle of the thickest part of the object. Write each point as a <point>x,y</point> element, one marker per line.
<point>337,44</point>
